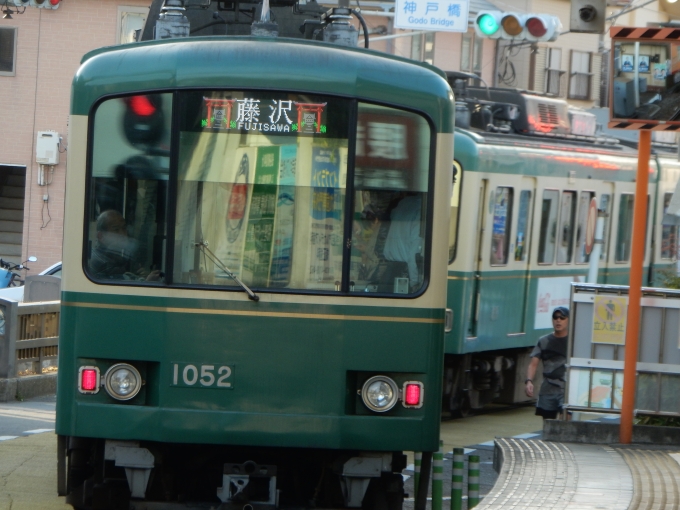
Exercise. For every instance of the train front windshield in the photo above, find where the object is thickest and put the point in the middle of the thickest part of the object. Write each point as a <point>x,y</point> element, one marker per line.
<point>283,190</point>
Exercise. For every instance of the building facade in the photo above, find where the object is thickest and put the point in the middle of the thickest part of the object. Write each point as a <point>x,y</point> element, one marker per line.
<point>40,50</point>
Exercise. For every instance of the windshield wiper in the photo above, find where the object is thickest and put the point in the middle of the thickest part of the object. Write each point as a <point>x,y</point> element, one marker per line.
<point>203,245</point>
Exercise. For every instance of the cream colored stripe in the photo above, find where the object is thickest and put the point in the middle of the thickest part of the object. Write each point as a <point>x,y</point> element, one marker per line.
<point>254,314</point>
<point>508,277</point>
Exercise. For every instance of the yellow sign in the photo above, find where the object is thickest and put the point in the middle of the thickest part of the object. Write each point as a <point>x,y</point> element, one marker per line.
<point>609,320</point>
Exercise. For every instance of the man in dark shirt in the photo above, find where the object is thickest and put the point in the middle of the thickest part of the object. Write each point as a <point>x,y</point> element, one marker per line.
<point>552,350</point>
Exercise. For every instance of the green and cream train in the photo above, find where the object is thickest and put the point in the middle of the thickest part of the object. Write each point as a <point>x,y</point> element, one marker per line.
<point>254,291</point>
<point>523,186</point>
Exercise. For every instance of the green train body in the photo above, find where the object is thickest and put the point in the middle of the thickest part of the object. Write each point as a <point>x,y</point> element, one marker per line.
<point>272,386</point>
<point>501,303</point>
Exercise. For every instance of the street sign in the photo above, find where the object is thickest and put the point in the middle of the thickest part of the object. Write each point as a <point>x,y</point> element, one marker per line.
<point>609,320</point>
<point>436,15</point>
<point>591,223</point>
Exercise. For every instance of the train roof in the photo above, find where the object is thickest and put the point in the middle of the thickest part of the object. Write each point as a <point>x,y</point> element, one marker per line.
<point>263,63</point>
<point>537,156</point>
<point>601,146</point>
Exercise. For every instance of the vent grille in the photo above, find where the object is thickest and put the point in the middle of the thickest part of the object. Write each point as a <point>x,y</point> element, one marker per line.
<point>547,114</point>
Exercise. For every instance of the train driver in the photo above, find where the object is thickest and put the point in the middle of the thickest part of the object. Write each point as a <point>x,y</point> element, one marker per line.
<point>113,254</point>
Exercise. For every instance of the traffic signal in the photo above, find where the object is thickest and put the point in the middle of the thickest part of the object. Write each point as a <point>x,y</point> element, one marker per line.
<point>43,4</point>
<point>543,27</point>
<point>488,24</point>
<point>143,121</point>
<point>588,16</point>
<point>511,25</point>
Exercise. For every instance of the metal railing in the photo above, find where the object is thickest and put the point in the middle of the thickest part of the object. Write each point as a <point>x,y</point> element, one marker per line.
<point>29,337</point>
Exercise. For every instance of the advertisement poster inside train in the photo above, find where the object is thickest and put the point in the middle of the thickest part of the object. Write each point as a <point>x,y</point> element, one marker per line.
<point>218,189</point>
<point>326,231</point>
<point>279,274</point>
<point>229,199</point>
<point>260,231</point>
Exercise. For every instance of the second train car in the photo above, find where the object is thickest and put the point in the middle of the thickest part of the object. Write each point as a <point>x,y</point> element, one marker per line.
<point>526,169</point>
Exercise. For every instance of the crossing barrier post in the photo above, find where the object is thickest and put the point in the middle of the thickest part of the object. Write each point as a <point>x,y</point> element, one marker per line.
<point>473,481</point>
<point>457,479</point>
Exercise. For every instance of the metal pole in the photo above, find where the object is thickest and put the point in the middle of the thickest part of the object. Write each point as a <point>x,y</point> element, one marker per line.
<point>597,248</point>
<point>473,481</point>
<point>636,76</point>
<point>8,338</point>
<point>396,36</point>
<point>417,460</point>
<point>635,282</point>
<point>438,478</point>
<point>457,479</point>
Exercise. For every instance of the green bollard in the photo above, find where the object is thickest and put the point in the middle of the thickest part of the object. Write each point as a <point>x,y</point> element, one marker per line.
<point>417,460</point>
<point>438,478</point>
<point>457,479</point>
<point>473,481</point>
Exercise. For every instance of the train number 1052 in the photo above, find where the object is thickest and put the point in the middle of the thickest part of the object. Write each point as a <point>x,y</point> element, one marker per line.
<point>195,375</point>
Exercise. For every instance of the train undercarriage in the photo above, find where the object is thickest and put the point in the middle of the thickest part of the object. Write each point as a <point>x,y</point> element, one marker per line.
<point>472,381</point>
<point>98,474</point>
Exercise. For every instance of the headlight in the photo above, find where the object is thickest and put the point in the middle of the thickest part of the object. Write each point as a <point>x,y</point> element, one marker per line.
<point>380,393</point>
<point>122,381</point>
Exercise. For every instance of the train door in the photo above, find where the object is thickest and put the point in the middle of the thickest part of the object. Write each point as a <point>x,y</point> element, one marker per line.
<point>481,223</point>
<point>522,242</point>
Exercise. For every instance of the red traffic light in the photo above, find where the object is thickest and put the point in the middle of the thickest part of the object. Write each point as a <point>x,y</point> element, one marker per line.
<point>542,27</point>
<point>536,27</point>
<point>141,105</point>
<point>144,120</point>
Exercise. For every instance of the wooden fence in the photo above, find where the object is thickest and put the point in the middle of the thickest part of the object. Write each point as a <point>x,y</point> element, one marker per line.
<point>29,336</point>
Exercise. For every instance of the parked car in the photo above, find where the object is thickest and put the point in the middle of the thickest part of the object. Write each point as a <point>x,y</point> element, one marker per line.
<point>17,293</point>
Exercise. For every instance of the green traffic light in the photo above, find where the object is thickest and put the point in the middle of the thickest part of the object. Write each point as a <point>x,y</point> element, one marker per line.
<point>488,24</point>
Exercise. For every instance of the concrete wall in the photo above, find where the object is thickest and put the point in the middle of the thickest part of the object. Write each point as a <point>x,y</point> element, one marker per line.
<point>607,433</point>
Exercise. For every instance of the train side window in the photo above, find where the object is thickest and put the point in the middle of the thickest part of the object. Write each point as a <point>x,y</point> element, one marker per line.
<point>624,233</point>
<point>669,234</point>
<point>606,206</point>
<point>583,207</point>
<point>127,213</point>
<point>502,219</point>
<point>523,225</point>
<point>565,230</point>
<point>455,210</point>
<point>548,231</point>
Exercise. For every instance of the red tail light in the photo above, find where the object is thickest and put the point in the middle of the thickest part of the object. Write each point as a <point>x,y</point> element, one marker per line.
<point>88,380</point>
<point>413,394</point>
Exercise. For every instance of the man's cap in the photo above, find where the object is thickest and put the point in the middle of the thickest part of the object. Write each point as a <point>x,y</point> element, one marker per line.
<point>562,309</point>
